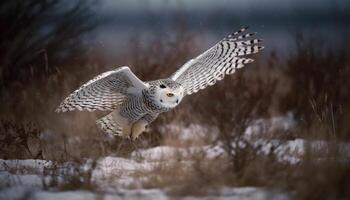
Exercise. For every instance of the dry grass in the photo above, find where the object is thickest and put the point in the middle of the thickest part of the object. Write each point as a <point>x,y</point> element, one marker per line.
<point>316,92</point>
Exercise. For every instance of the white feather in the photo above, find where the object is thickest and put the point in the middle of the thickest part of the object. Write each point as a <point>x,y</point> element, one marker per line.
<point>212,65</point>
<point>104,92</point>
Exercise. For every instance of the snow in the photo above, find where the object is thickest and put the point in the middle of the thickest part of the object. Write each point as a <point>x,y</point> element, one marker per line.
<point>22,172</point>
<point>248,193</point>
<point>156,153</point>
<point>115,172</point>
<point>190,132</point>
<point>290,151</point>
<point>24,166</point>
<point>17,192</point>
<point>8,179</point>
<point>166,153</point>
<point>238,193</point>
<point>76,195</point>
<point>115,176</point>
<point>261,127</point>
<point>150,194</point>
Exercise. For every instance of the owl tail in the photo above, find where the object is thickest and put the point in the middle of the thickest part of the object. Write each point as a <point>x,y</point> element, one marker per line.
<point>114,124</point>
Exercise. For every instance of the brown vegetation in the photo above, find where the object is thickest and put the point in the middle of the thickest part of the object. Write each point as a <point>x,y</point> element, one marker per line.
<point>315,88</point>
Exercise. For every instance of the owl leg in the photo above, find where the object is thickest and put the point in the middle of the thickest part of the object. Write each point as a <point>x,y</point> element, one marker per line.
<point>115,124</point>
<point>138,128</point>
<point>126,131</point>
<point>124,123</point>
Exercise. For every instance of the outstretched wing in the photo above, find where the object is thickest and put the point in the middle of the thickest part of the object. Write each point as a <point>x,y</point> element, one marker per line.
<point>221,59</point>
<point>104,92</point>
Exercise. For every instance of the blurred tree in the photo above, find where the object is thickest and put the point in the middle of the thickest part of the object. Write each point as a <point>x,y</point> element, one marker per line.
<point>38,35</point>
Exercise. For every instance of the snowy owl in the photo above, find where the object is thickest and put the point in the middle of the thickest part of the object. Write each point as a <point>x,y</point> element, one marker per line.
<point>135,104</point>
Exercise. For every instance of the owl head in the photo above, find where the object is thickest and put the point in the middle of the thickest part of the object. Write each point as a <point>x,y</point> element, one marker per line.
<point>168,93</point>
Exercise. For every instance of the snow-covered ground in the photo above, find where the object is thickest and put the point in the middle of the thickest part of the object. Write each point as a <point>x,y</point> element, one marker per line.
<point>243,193</point>
<point>23,179</point>
<point>114,176</point>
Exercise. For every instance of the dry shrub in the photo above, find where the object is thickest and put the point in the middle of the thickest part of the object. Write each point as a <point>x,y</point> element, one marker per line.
<point>72,175</point>
<point>322,174</point>
<point>233,104</point>
<point>318,94</point>
<point>181,175</point>
<point>319,83</point>
<point>197,174</point>
<point>39,36</point>
<point>19,141</point>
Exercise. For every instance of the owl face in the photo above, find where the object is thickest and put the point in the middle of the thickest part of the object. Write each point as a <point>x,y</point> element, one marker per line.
<point>168,93</point>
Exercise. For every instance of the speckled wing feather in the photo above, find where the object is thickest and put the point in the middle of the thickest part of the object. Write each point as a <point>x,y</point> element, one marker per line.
<point>109,124</point>
<point>220,60</point>
<point>104,92</point>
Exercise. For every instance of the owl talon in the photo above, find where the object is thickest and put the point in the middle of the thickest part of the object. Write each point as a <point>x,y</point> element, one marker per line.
<point>127,132</point>
<point>138,128</point>
<point>135,138</point>
<point>147,129</point>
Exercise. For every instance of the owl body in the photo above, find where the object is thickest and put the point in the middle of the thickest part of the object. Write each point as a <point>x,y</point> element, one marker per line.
<point>142,108</point>
<point>149,101</point>
<point>135,104</point>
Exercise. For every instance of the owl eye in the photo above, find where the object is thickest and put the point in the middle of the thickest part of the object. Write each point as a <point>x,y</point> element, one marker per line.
<point>162,86</point>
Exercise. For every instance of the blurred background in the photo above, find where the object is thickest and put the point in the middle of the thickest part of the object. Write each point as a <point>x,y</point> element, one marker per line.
<point>48,48</point>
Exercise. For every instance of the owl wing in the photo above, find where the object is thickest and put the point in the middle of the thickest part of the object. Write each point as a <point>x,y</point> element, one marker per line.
<point>104,92</point>
<point>221,59</point>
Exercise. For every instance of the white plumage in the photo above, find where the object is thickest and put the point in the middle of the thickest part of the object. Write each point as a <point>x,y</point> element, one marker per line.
<point>136,104</point>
